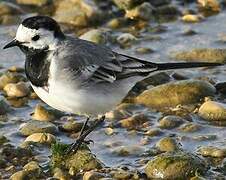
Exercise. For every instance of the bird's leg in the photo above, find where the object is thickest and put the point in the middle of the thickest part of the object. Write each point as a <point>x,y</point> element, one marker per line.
<point>83,134</point>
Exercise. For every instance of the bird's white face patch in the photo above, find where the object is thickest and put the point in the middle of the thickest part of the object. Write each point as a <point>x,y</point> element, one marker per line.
<point>47,39</point>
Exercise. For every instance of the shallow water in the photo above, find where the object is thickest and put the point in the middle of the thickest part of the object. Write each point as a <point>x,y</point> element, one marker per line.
<point>209,32</point>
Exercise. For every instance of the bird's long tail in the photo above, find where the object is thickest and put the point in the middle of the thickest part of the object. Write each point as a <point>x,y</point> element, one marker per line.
<point>184,65</point>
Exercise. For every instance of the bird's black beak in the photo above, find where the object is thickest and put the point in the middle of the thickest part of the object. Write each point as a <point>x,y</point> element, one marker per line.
<point>12,44</point>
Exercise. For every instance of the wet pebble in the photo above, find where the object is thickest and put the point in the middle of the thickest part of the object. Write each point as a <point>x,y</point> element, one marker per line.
<point>167,144</point>
<point>170,122</point>
<point>34,2</point>
<point>130,150</point>
<point>10,77</point>
<point>71,125</point>
<point>213,111</point>
<point>190,127</point>
<point>19,89</point>
<point>192,18</point>
<point>143,11</point>
<point>175,93</point>
<point>144,50</point>
<point>153,132</point>
<point>93,175</point>
<point>78,13</point>
<point>95,35</point>
<point>212,152</point>
<point>126,39</point>
<point>209,5</point>
<point>134,121</point>
<point>60,174</point>
<point>34,126</point>
<point>179,165</point>
<point>201,54</point>
<point>4,106</point>
<point>43,138</point>
<point>41,113</point>
<point>33,167</point>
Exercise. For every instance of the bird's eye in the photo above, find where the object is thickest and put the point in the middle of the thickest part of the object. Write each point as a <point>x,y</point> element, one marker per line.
<point>35,38</point>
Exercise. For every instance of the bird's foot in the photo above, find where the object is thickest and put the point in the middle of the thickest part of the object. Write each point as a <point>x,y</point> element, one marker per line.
<point>83,134</point>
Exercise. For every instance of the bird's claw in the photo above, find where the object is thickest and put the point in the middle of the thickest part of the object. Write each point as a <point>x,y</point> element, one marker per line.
<point>81,139</point>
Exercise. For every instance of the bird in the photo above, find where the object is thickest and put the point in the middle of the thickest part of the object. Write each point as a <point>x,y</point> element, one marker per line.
<point>79,76</point>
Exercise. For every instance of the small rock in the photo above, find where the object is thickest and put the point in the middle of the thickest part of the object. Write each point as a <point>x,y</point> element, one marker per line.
<point>144,50</point>
<point>189,127</point>
<point>209,5</point>
<point>20,175</point>
<point>41,113</point>
<point>192,18</point>
<point>134,121</point>
<point>34,126</point>
<point>153,132</point>
<point>60,174</point>
<point>78,13</point>
<point>132,150</point>
<point>167,144</point>
<point>127,4</point>
<point>95,35</point>
<point>212,152</point>
<point>126,39</point>
<point>179,165</point>
<point>72,126</point>
<point>175,93</point>
<point>93,175</point>
<point>33,167</point>
<point>43,138</point>
<point>109,131</point>
<point>34,2</point>
<point>213,111</point>
<point>170,122</point>
<point>4,106</point>
<point>204,55</point>
<point>121,174</point>
<point>143,11</point>
<point>19,89</point>
<point>116,23</point>
<point>7,8</point>
<point>17,102</point>
<point>9,77</point>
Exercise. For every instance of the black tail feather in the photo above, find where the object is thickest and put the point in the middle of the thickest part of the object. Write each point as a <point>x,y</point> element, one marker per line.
<point>183,65</point>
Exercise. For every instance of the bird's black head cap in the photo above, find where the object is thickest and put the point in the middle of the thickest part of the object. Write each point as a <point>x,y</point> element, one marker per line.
<point>45,22</point>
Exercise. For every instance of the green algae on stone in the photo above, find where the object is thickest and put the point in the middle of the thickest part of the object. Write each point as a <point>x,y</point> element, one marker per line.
<point>175,93</point>
<point>83,159</point>
<point>179,165</point>
<point>201,54</point>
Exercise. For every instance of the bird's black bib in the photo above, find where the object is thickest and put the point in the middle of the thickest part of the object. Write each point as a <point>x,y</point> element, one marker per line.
<point>37,67</point>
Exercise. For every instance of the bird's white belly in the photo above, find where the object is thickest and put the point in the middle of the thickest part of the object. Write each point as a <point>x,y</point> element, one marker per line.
<point>90,102</point>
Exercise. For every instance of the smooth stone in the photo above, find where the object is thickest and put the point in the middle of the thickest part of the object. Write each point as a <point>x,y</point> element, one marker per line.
<point>10,77</point>
<point>153,132</point>
<point>135,121</point>
<point>33,167</point>
<point>20,175</point>
<point>42,138</point>
<point>172,94</point>
<point>179,165</point>
<point>144,50</point>
<point>60,174</point>
<point>130,150</point>
<point>189,127</point>
<point>209,5</point>
<point>78,12</point>
<point>201,55</point>
<point>143,11</point>
<point>41,113</point>
<point>34,126</point>
<point>19,89</point>
<point>109,131</point>
<point>116,23</point>
<point>95,35</point>
<point>92,175</point>
<point>17,102</point>
<point>192,18</point>
<point>9,8</point>
<point>167,144</point>
<point>170,122</point>
<point>126,4</point>
<point>72,126</point>
<point>4,106</point>
<point>214,152</point>
<point>34,2</point>
<point>213,111</point>
<point>126,39</point>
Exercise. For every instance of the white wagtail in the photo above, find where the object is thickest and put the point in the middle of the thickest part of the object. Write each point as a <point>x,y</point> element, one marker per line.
<point>78,76</point>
